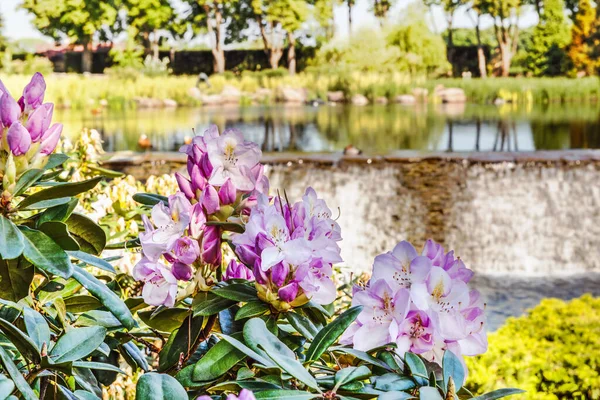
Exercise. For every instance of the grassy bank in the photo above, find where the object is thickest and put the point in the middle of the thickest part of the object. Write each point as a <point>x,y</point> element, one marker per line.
<point>78,92</point>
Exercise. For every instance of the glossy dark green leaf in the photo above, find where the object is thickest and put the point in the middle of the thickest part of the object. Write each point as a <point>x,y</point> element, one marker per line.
<point>363,356</point>
<point>6,387</point>
<point>40,205</point>
<point>92,260</point>
<point>58,288</point>
<point>55,160</point>
<point>15,375</point>
<point>77,343</point>
<point>393,382</point>
<point>498,394</point>
<point>207,303</point>
<point>166,320</point>
<point>252,309</point>
<point>303,325</point>
<point>26,180</point>
<point>97,366</point>
<point>260,358</point>
<point>395,396</point>
<point>59,232</point>
<point>259,338</point>
<point>26,346</point>
<point>180,341</point>
<point>15,278</point>
<point>237,292</point>
<point>330,333</point>
<point>58,213</point>
<point>98,318</point>
<point>87,381</point>
<point>417,367</point>
<point>106,296</point>
<point>350,374</point>
<point>452,367</point>
<point>429,393</point>
<point>83,395</point>
<point>150,199</point>
<point>37,327</point>
<point>217,361</point>
<point>82,303</point>
<point>91,238</point>
<point>132,354</point>
<point>64,190</point>
<point>284,394</point>
<point>45,254</point>
<point>11,245</point>
<point>153,386</point>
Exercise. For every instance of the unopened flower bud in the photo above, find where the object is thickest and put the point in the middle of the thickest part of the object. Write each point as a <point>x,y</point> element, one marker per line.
<point>10,112</point>
<point>210,199</point>
<point>18,139</point>
<point>184,185</point>
<point>50,139</point>
<point>33,95</point>
<point>227,193</point>
<point>10,174</point>
<point>181,271</point>
<point>39,121</point>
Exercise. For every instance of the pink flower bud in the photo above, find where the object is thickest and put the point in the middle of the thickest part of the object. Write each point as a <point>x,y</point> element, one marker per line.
<point>198,221</point>
<point>10,112</point>
<point>181,271</point>
<point>206,166</point>
<point>279,273</point>
<point>198,181</point>
<point>211,245</point>
<point>210,199</point>
<point>18,139</point>
<point>246,254</point>
<point>39,121</point>
<point>33,95</point>
<point>50,139</point>
<point>227,193</point>
<point>237,270</point>
<point>185,185</point>
<point>289,292</point>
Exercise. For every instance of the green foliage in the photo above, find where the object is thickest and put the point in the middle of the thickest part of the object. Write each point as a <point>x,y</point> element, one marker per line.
<point>551,352</point>
<point>547,56</point>
<point>581,32</point>
<point>29,66</point>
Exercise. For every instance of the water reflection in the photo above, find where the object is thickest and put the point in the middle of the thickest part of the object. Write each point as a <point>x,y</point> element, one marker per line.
<point>375,129</point>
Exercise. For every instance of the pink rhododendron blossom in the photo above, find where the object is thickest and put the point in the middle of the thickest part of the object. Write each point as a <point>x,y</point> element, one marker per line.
<point>160,286</point>
<point>245,394</point>
<point>236,270</point>
<point>292,249</point>
<point>441,312</point>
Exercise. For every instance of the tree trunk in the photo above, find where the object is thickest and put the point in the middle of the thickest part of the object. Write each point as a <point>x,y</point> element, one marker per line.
<point>506,56</point>
<point>86,57</point>
<point>480,54</point>
<point>275,55</point>
<point>155,46</point>
<point>450,45</point>
<point>350,16</point>
<point>217,51</point>
<point>219,60</point>
<point>291,55</point>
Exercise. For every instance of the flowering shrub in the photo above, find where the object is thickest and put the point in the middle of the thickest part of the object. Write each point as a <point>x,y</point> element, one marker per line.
<point>243,292</point>
<point>55,316</point>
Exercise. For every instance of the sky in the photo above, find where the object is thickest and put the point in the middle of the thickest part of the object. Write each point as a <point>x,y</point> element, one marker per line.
<point>18,25</point>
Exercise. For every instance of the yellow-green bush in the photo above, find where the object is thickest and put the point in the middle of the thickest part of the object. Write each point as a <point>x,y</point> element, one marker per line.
<point>552,353</point>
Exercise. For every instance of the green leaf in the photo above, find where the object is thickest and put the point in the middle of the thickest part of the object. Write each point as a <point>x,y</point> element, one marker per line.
<point>330,333</point>
<point>284,394</point>
<point>417,367</point>
<point>58,213</point>
<point>395,396</point>
<point>47,203</point>
<point>77,343</point>
<point>227,226</point>
<point>239,292</point>
<point>393,382</point>
<point>6,387</point>
<point>92,260</point>
<point>303,325</point>
<point>429,393</point>
<point>20,340</point>
<point>84,395</point>
<point>15,375</point>
<point>498,394</point>
<point>131,351</point>
<point>363,356</point>
<point>180,341</point>
<point>153,386</point>
<point>217,361</point>
<point>45,254</point>
<point>37,327</point>
<point>59,232</point>
<point>98,318</point>
<point>15,279</point>
<point>207,303</point>
<point>165,320</point>
<point>350,374</point>
<point>91,238</point>
<point>452,367</point>
<point>56,160</point>
<point>82,303</point>
<point>252,309</point>
<point>259,338</point>
<point>106,296</point>
<point>264,360</point>
<point>26,180</point>
<point>64,190</point>
<point>149,199</point>
<point>11,245</point>
<point>97,366</point>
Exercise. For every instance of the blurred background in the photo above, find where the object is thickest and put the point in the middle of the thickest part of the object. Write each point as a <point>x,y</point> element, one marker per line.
<point>472,122</point>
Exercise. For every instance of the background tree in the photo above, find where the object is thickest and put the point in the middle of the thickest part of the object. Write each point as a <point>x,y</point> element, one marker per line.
<point>476,11</point>
<point>450,7</point>
<point>579,49</point>
<point>77,21</point>
<point>150,18</point>
<point>506,28</point>
<point>547,56</point>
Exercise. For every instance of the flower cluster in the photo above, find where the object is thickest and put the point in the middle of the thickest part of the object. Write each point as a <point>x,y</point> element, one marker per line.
<point>27,138</point>
<point>245,394</point>
<point>421,303</point>
<point>225,180</point>
<point>291,249</point>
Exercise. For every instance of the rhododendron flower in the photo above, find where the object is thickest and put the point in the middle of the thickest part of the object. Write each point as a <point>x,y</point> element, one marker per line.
<point>441,313</point>
<point>291,248</point>
<point>236,270</point>
<point>160,286</point>
<point>245,394</point>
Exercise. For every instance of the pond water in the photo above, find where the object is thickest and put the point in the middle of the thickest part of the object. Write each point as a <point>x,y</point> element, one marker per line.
<point>375,129</point>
